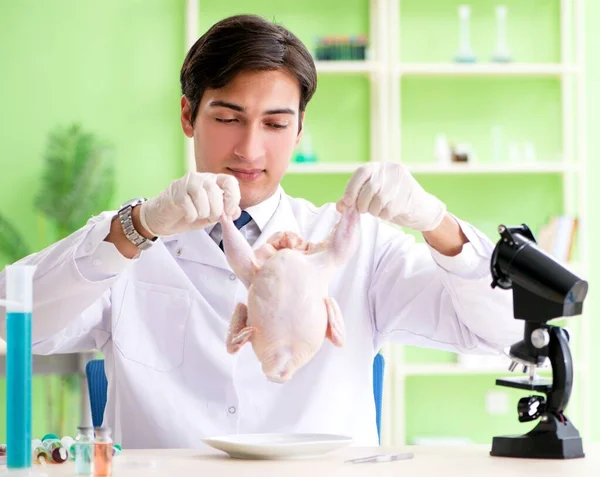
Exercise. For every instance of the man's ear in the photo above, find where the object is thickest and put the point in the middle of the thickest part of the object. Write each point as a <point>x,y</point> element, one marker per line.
<point>186,117</point>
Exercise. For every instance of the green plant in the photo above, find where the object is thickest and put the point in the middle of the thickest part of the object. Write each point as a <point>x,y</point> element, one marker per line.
<point>77,183</point>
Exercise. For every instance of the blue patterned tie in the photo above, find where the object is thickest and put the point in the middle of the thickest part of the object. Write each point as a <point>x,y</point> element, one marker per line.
<point>242,220</point>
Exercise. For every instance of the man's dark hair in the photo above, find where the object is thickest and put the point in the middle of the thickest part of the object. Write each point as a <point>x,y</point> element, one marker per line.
<point>245,43</point>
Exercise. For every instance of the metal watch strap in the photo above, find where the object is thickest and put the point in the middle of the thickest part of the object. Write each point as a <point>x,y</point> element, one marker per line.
<point>125,217</point>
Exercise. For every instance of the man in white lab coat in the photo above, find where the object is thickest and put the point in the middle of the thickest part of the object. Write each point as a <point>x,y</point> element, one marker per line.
<point>150,287</point>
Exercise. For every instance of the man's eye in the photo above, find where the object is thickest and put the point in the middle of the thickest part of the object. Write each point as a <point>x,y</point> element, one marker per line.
<point>277,126</point>
<point>225,121</point>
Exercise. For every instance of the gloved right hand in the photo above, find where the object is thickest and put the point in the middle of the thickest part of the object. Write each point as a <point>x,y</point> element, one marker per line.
<point>195,201</point>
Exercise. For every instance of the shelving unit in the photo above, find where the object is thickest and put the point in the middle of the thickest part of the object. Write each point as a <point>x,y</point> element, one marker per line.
<point>484,69</point>
<point>387,72</point>
<point>572,168</point>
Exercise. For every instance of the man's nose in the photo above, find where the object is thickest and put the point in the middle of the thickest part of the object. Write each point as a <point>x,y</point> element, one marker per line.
<point>251,145</point>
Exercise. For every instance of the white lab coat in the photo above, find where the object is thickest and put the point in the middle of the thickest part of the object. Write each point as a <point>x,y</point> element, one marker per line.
<point>161,322</point>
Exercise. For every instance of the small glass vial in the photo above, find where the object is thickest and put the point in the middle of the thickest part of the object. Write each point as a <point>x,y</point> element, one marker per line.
<point>83,448</point>
<point>58,454</point>
<point>40,455</point>
<point>103,446</point>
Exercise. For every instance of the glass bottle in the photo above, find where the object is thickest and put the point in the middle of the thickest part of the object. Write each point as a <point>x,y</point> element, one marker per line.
<point>103,447</point>
<point>83,448</point>
<point>40,455</point>
<point>58,454</point>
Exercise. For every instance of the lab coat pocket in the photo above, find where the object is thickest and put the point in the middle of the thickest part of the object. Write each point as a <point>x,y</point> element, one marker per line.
<point>151,324</point>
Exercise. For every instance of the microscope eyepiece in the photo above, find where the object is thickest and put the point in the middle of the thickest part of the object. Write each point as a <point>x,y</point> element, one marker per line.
<point>543,288</point>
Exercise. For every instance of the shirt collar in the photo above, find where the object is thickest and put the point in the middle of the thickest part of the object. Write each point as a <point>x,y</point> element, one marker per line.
<point>261,213</point>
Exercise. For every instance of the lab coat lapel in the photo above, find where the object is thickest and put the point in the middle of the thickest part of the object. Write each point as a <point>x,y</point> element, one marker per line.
<point>198,246</point>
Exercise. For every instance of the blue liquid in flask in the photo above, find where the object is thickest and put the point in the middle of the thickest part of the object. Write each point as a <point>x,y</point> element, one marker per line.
<point>18,390</point>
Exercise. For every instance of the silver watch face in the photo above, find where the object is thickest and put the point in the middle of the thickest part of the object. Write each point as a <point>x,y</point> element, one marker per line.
<point>133,202</point>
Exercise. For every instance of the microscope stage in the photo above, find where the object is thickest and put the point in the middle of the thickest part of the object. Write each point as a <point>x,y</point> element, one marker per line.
<point>543,385</point>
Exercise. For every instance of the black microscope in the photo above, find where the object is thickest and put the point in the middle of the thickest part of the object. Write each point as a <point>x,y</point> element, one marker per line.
<point>542,290</point>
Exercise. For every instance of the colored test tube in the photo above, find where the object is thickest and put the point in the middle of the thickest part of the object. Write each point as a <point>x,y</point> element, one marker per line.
<point>19,291</point>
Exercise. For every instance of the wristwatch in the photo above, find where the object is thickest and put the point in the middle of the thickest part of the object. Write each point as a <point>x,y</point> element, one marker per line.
<point>129,230</point>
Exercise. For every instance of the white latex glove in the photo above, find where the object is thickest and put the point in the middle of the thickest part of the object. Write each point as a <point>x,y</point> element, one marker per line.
<point>389,191</point>
<point>195,201</point>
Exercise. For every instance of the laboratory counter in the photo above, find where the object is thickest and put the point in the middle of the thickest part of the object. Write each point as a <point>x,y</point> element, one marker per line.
<point>428,461</point>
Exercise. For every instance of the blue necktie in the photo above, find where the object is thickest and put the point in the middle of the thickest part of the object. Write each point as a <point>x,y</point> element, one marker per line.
<point>242,220</point>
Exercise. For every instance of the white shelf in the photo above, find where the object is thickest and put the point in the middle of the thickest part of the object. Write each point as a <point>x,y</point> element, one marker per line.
<point>507,168</point>
<point>341,67</point>
<point>457,168</point>
<point>483,69</point>
<point>442,369</point>
<point>445,369</point>
<point>448,368</point>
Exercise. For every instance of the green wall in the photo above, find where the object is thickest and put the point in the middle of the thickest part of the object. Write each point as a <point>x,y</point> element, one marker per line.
<point>114,66</point>
<point>111,65</point>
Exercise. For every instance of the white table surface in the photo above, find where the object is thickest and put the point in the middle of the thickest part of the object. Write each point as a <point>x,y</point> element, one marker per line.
<point>428,461</point>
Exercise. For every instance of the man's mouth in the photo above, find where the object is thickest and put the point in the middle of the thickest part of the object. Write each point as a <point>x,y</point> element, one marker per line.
<point>246,175</point>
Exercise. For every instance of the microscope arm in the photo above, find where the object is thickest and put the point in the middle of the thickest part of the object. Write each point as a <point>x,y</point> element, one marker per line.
<point>562,370</point>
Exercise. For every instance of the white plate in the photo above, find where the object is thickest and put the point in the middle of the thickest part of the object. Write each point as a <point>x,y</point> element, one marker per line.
<point>277,446</point>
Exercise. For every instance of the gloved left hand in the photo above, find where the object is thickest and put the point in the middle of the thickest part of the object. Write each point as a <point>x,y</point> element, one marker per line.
<point>389,191</point>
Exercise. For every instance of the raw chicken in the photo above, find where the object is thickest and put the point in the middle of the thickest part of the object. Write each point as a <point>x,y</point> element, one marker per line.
<point>289,312</point>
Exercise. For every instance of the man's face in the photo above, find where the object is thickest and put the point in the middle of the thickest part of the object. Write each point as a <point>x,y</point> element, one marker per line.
<point>247,129</point>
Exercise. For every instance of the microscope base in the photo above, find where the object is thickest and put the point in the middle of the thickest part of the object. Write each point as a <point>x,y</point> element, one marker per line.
<point>551,439</point>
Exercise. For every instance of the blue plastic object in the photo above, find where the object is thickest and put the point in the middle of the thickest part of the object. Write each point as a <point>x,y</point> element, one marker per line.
<point>378,372</point>
<point>97,387</point>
